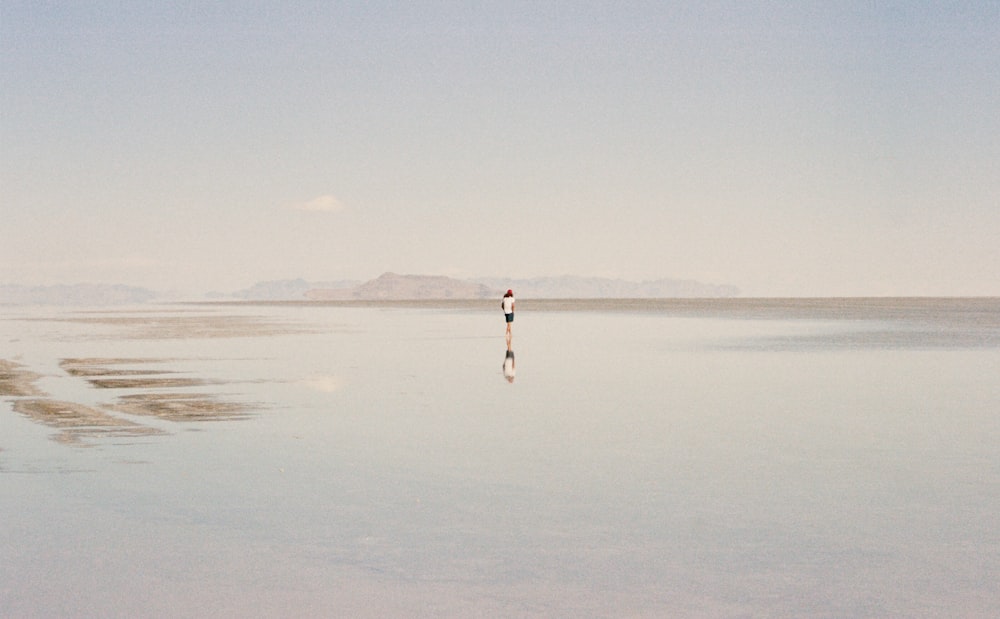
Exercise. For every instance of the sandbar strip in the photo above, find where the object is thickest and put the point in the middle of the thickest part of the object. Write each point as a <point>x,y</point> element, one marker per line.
<point>76,421</point>
<point>16,380</point>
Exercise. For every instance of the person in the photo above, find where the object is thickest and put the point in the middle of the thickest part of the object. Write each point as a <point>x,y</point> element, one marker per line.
<point>508,310</point>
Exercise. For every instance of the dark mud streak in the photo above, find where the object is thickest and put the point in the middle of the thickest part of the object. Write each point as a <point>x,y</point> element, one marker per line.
<point>77,422</point>
<point>80,425</point>
<point>16,380</point>
<point>146,383</point>
<point>181,407</point>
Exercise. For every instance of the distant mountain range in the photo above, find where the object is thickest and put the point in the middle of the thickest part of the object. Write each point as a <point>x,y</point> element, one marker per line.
<point>388,286</point>
<point>393,286</point>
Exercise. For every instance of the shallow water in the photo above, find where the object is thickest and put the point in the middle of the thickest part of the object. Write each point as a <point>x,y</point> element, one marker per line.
<point>731,458</point>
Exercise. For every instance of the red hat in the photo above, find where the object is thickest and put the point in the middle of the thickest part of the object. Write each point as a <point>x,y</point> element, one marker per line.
<point>510,292</point>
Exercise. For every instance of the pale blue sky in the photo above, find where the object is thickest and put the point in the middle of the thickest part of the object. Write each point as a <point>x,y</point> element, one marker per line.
<point>846,148</point>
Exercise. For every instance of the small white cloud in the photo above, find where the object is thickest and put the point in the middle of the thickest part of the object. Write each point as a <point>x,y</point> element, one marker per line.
<point>322,204</point>
<point>325,384</point>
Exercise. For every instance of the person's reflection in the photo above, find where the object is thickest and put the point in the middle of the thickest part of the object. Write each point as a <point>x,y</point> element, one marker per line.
<point>508,364</point>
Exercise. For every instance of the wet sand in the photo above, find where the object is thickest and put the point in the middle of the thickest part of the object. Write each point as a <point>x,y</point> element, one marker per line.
<point>148,386</point>
<point>81,425</point>
<point>16,380</point>
<point>77,423</point>
<point>104,374</point>
<point>181,407</point>
<point>93,366</point>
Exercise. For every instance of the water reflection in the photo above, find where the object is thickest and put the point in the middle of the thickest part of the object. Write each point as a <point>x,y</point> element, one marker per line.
<point>508,364</point>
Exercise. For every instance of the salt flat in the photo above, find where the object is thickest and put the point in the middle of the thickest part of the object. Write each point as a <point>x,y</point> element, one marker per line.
<point>717,458</point>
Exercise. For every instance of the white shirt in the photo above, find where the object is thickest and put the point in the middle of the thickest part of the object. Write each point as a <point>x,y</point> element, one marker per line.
<point>508,305</point>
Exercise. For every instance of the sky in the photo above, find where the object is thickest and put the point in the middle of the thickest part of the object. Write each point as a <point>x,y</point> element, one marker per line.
<point>789,149</point>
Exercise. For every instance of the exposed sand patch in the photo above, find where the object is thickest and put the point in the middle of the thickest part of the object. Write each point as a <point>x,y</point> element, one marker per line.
<point>15,380</point>
<point>109,377</point>
<point>181,407</point>
<point>168,406</point>
<point>93,366</point>
<point>77,422</point>
<point>146,383</point>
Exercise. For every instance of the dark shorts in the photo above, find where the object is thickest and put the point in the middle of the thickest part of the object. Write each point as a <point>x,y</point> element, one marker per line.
<point>509,317</point>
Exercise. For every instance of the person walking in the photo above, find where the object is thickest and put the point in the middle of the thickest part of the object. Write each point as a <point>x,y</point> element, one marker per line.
<point>508,311</point>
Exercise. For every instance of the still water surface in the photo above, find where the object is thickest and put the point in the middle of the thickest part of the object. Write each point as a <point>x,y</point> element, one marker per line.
<point>737,458</point>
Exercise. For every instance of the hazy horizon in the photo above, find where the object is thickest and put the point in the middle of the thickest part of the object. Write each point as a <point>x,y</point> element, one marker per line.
<point>800,150</point>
